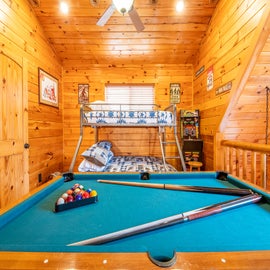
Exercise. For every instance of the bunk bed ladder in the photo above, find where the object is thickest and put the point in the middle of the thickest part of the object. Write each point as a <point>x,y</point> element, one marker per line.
<point>163,143</point>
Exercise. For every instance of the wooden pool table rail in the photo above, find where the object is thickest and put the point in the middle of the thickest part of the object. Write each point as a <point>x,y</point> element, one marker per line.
<point>137,261</point>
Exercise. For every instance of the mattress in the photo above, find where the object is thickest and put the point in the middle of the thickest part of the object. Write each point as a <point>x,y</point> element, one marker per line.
<point>133,118</point>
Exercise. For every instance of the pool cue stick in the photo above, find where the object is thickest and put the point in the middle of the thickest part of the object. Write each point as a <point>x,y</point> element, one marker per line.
<point>228,191</point>
<point>172,220</point>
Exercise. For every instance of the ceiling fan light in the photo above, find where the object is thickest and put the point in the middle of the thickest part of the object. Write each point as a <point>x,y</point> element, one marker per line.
<point>123,6</point>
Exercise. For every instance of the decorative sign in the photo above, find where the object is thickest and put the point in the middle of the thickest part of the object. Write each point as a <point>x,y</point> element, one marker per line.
<point>224,88</point>
<point>199,71</point>
<point>175,91</point>
<point>210,79</point>
<point>83,93</point>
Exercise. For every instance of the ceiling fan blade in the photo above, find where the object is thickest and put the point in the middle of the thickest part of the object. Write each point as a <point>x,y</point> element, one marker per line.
<point>135,18</point>
<point>106,15</point>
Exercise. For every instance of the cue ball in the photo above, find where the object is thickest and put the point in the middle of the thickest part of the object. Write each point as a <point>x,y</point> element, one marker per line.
<point>60,201</point>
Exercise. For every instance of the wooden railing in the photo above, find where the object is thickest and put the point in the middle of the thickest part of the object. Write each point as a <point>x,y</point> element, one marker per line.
<point>248,161</point>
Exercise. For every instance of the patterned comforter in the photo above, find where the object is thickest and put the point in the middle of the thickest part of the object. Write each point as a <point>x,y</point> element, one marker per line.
<point>133,118</point>
<point>128,164</point>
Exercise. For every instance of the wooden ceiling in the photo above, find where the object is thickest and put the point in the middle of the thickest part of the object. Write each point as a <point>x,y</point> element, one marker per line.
<point>168,38</point>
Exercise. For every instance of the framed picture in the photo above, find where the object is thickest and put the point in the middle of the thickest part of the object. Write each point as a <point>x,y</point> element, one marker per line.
<point>48,89</point>
<point>83,93</point>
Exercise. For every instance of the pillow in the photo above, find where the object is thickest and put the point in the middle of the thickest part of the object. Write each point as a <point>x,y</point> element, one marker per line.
<point>87,166</point>
<point>98,155</point>
<point>105,144</point>
<point>96,105</point>
<point>99,105</point>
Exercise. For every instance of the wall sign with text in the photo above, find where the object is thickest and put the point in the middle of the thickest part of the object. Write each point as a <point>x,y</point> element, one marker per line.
<point>175,92</point>
<point>210,79</point>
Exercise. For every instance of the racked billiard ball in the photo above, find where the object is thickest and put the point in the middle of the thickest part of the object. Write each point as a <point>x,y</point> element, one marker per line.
<point>93,193</point>
<point>60,201</point>
<point>78,197</point>
<point>69,199</point>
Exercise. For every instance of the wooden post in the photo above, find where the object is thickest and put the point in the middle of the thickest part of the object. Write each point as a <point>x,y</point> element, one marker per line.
<point>218,152</point>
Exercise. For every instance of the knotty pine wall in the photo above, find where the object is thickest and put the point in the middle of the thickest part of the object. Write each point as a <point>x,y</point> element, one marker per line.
<point>21,35</point>
<point>126,141</point>
<point>247,120</point>
<point>228,48</point>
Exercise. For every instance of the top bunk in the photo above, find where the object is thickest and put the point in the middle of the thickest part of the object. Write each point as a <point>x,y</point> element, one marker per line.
<point>98,113</point>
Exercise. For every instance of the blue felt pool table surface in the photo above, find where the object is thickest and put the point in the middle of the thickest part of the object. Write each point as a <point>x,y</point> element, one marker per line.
<point>34,226</point>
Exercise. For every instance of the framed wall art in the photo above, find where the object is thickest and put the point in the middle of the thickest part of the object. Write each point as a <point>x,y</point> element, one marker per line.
<point>83,93</point>
<point>48,89</point>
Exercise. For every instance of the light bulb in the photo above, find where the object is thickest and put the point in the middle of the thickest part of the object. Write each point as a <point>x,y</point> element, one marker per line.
<point>64,7</point>
<point>180,5</point>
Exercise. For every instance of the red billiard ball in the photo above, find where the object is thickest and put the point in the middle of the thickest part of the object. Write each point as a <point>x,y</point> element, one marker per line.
<point>85,195</point>
<point>70,198</point>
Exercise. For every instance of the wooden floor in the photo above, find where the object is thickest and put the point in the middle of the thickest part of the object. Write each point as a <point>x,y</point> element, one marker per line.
<point>139,261</point>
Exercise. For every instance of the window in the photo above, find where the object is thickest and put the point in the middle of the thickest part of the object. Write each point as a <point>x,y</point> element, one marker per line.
<point>131,94</point>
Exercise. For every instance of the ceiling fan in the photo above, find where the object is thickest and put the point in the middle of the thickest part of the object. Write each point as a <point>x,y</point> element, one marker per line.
<point>124,7</point>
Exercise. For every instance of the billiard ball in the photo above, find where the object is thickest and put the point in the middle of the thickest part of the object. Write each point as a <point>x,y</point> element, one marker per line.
<point>64,196</point>
<point>85,195</point>
<point>69,192</point>
<point>77,190</point>
<point>75,186</point>
<point>78,197</point>
<point>60,201</point>
<point>93,193</point>
<point>70,199</point>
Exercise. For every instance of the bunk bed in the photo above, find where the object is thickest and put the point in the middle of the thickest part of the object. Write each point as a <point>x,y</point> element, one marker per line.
<point>99,157</point>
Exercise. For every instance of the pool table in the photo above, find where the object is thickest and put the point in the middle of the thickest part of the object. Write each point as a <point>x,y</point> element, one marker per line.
<point>34,236</point>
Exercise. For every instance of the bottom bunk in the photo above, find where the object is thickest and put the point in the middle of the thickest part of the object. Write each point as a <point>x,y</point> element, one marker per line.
<point>100,158</point>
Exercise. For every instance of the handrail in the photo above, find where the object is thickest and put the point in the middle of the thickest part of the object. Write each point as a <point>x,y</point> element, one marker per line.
<point>261,148</point>
<point>246,160</point>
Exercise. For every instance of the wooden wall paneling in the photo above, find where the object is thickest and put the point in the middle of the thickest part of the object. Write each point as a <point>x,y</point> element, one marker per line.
<point>22,35</point>
<point>227,48</point>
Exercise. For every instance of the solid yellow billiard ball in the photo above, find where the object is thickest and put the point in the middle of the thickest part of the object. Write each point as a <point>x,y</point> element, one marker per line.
<point>93,193</point>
